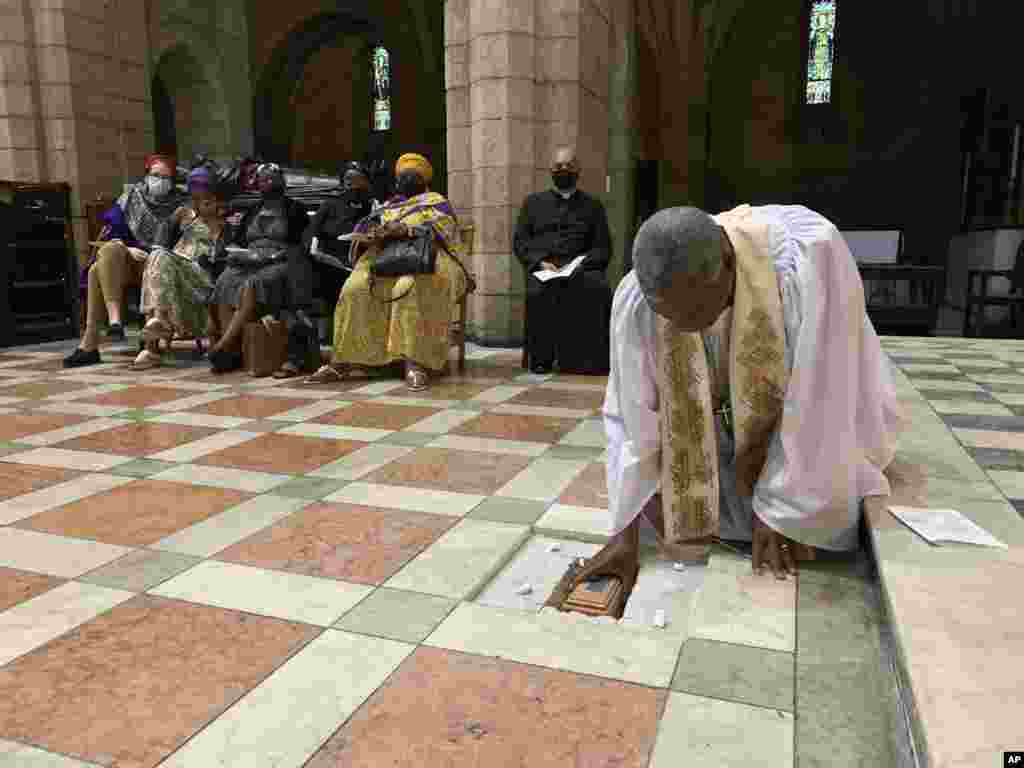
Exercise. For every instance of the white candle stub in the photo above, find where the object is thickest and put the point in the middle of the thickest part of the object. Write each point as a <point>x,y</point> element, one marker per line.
<point>554,547</point>
<point>659,619</point>
<point>524,590</point>
<point>678,566</point>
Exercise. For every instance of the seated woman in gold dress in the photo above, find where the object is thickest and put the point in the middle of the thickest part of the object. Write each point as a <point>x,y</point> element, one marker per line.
<point>384,321</point>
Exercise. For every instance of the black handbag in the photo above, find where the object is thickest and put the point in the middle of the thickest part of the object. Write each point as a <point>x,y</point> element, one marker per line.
<point>415,255</point>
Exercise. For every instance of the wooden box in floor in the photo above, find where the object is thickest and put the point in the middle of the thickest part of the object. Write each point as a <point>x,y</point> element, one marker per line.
<point>264,347</point>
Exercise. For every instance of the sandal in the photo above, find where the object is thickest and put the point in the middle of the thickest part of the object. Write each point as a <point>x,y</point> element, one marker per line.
<point>327,374</point>
<point>416,379</point>
<point>154,330</point>
<point>146,360</point>
<point>287,371</point>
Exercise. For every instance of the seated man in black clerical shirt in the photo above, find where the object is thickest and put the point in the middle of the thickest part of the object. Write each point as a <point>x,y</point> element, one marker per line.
<point>565,230</point>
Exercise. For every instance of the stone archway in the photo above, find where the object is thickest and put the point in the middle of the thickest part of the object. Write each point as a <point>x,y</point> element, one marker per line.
<point>312,100</point>
<point>188,108</point>
<point>274,122</point>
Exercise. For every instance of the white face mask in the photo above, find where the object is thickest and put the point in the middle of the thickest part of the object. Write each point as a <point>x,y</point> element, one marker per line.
<point>158,186</point>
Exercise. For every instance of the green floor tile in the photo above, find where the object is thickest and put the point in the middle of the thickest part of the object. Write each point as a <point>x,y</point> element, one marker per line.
<point>140,570</point>
<point>515,511</point>
<point>141,468</point>
<point>397,615</point>
<point>737,673</point>
<point>845,698</point>
<point>411,439</point>
<point>573,453</point>
<point>310,487</point>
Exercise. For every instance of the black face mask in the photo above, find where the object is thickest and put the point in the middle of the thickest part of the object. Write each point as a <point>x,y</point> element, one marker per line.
<point>357,198</point>
<point>564,181</point>
<point>410,185</point>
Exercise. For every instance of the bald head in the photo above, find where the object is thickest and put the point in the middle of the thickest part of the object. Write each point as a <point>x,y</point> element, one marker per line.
<point>674,241</point>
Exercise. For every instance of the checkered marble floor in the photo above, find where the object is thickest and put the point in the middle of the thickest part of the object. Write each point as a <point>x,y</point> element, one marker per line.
<point>221,571</point>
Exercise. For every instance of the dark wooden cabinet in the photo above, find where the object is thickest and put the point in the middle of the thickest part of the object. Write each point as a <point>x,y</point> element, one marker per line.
<point>38,274</point>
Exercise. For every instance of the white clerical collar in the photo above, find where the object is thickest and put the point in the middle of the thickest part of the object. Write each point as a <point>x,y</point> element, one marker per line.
<point>564,195</point>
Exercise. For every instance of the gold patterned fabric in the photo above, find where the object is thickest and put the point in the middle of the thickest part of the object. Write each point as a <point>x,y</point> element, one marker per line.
<point>757,385</point>
<point>416,327</point>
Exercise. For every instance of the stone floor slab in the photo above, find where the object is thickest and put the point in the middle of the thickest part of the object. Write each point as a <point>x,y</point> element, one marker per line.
<point>462,561</point>
<point>441,708</point>
<point>705,731</point>
<point>514,511</point>
<point>140,570</point>
<point>737,673</point>
<point>397,614</point>
<point>274,725</point>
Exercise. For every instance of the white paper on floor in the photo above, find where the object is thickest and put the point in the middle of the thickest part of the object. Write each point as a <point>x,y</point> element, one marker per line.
<point>944,526</point>
<point>660,587</point>
<point>534,565</point>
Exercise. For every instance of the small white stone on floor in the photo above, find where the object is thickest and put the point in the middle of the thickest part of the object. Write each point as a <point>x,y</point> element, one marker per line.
<point>524,590</point>
<point>555,547</point>
<point>659,619</point>
<point>581,561</point>
<point>679,567</point>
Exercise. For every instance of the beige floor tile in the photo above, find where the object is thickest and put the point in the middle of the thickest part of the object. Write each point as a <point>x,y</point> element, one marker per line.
<point>30,624</point>
<point>499,394</point>
<point>362,462</point>
<point>21,756</point>
<point>561,641</point>
<point>462,561</point>
<point>949,385</point>
<point>443,422</point>
<point>204,446</point>
<point>279,594</point>
<point>722,734</point>
<point>1010,483</point>
<point>190,419</point>
<point>209,537</point>
<point>735,605</point>
<point>55,436</point>
<point>191,401</point>
<point>543,480</point>
<point>409,499</point>
<point>970,408</point>
<point>987,438</point>
<point>54,555</point>
<point>913,368</point>
<point>274,726</point>
<point>995,378</point>
<point>584,523</point>
<point>489,445</point>
<point>20,507</point>
<point>84,461</point>
<point>1009,398</point>
<point>331,432</point>
<point>312,411</point>
<point>222,477</point>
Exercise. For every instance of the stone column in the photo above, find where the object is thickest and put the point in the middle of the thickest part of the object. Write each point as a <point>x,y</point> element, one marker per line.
<point>74,92</point>
<point>522,77</point>
<point>21,142</point>
<point>621,136</point>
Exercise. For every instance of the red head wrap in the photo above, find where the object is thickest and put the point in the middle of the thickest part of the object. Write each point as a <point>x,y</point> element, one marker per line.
<point>163,164</point>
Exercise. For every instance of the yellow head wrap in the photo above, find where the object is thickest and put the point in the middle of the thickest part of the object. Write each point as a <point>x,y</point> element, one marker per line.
<point>413,162</point>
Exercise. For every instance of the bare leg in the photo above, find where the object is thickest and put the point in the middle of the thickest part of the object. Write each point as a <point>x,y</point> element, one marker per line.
<point>235,325</point>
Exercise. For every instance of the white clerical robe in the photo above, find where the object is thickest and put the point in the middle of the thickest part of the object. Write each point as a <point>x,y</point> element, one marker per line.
<point>840,415</point>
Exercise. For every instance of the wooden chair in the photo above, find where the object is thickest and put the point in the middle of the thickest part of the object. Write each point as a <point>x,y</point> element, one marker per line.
<point>978,295</point>
<point>457,331</point>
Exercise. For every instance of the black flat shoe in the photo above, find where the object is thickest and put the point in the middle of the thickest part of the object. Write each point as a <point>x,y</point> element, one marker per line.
<point>115,332</point>
<point>222,361</point>
<point>80,358</point>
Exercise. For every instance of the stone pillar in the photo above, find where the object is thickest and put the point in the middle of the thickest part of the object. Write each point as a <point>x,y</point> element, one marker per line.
<point>74,92</point>
<point>21,142</point>
<point>522,78</point>
<point>621,136</point>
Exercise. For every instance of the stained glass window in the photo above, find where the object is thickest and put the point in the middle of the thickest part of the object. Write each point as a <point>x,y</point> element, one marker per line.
<point>381,89</point>
<point>821,51</point>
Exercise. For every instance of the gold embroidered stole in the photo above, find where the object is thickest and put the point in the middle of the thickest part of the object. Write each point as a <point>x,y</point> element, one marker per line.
<point>757,376</point>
